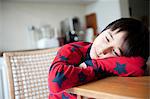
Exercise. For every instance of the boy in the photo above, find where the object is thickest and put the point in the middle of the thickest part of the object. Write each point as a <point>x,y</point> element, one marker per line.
<point>121,49</point>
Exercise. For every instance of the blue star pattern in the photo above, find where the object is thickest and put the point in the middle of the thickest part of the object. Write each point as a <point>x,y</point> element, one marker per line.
<point>64,97</point>
<point>63,58</point>
<point>82,77</point>
<point>89,63</point>
<point>120,68</point>
<point>60,77</point>
<point>72,49</point>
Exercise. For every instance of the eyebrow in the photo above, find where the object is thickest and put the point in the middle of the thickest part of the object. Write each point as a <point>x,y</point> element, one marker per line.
<point>110,35</point>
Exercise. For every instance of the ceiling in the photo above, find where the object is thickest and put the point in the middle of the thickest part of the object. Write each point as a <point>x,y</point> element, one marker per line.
<point>55,1</point>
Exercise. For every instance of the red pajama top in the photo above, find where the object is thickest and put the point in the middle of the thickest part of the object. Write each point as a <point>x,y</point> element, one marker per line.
<point>65,72</point>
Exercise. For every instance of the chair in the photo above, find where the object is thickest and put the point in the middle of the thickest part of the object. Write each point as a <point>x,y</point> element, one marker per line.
<point>27,73</point>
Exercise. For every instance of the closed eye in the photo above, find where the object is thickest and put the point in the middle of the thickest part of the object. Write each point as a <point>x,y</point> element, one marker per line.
<point>107,39</point>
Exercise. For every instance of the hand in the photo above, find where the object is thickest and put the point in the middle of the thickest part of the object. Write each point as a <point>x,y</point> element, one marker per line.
<point>83,65</point>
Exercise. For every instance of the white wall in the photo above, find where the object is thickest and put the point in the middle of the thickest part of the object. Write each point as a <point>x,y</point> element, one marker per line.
<point>19,16</point>
<point>0,25</point>
<point>108,11</point>
<point>0,16</point>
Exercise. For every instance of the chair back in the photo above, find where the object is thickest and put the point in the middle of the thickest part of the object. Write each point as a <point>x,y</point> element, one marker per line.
<point>27,73</point>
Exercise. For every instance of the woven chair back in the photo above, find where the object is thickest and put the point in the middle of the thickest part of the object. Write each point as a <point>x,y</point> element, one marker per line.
<point>27,73</point>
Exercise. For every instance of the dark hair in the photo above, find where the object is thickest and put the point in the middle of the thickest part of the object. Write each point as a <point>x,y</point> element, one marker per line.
<point>137,39</point>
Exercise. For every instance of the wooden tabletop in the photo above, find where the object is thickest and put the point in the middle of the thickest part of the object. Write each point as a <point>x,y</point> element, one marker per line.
<point>116,88</point>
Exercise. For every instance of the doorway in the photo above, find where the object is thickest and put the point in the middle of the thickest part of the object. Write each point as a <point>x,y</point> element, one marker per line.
<point>91,22</point>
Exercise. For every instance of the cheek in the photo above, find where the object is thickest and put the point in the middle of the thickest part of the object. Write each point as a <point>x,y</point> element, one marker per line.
<point>100,43</point>
<point>97,45</point>
<point>98,40</point>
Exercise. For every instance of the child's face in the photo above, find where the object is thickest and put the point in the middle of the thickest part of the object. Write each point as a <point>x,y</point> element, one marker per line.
<point>108,44</point>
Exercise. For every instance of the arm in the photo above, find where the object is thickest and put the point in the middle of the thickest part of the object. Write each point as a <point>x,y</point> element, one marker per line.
<point>65,73</point>
<point>120,66</point>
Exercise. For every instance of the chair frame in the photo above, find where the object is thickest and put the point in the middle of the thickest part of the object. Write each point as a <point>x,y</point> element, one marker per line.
<point>7,59</point>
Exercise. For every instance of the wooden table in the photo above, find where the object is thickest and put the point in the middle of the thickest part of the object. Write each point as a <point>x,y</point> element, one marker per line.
<point>115,88</point>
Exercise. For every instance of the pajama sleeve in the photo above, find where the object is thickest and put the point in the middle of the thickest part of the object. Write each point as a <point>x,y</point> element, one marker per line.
<point>120,66</point>
<point>65,73</point>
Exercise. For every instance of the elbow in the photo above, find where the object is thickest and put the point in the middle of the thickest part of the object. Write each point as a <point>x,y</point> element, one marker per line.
<point>55,80</point>
<point>52,85</point>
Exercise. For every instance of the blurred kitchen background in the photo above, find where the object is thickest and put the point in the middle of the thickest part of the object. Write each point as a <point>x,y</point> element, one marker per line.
<point>34,24</point>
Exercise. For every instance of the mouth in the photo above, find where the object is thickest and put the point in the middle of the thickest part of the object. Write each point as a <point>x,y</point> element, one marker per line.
<point>100,54</point>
